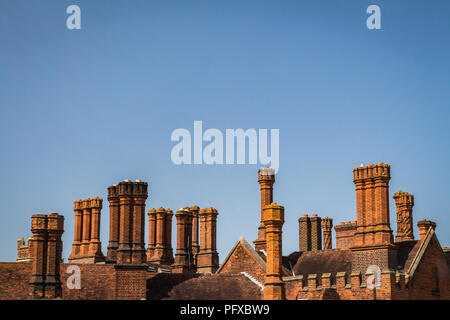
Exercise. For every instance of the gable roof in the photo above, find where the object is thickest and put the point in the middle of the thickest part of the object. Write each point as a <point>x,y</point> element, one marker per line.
<point>244,244</point>
<point>421,251</point>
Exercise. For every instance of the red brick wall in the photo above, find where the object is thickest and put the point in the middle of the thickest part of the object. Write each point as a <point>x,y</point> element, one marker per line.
<point>423,283</point>
<point>14,278</point>
<point>242,261</point>
<point>344,234</point>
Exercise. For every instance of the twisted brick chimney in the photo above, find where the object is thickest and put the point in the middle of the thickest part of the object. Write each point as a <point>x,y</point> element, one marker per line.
<point>208,258</point>
<point>266,179</point>
<point>273,221</point>
<point>404,202</point>
<point>372,205</point>
<point>47,251</point>
<point>327,227</point>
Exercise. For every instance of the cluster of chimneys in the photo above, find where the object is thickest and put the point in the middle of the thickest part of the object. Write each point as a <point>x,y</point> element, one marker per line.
<point>196,231</point>
<point>196,248</point>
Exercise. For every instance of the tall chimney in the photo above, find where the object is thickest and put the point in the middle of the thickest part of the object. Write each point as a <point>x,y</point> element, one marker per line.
<point>316,232</point>
<point>304,233</point>
<point>168,255</point>
<point>195,243</point>
<point>125,222</point>
<point>76,246</point>
<point>151,234</point>
<point>47,250</point>
<point>55,228</point>
<point>86,229</point>
<point>372,205</point>
<point>266,179</point>
<point>327,226</point>
<point>113,245</point>
<point>273,221</point>
<point>208,258</point>
<point>404,202</point>
<point>160,235</point>
<point>95,245</point>
<point>139,197</point>
<point>183,256</point>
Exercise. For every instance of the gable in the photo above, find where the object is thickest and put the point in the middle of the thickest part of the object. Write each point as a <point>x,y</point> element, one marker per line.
<point>243,258</point>
<point>429,272</point>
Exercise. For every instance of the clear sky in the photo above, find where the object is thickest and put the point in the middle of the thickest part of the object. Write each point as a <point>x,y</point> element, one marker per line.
<point>84,109</point>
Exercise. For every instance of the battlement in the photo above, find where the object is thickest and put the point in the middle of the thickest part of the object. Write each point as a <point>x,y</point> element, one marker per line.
<point>344,285</point>
<point>24,250</point>
<point>401,197</point>
<point>372,171</point>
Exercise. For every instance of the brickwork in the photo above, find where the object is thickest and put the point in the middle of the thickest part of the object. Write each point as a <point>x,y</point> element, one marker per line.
<point>404,202</point>
<point>266,179</point>
<point>207,257</point>
<point>195,231</point>
<point>160,237</point>
<point>273,223</point>
<point>183,257</point>
<point>372,205</point>
<point>304,233</point>
<point>327,227</point>
<point>344,234</point>
<point>47,249</point>
<point>87,247</point>
<point>114,222</point>
<point>132,197</point>
<point>424,225</point>
<point>24,250</point>
<point>310,233</point>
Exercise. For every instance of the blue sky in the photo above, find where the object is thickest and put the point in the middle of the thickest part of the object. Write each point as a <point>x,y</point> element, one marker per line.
<point>83,109</point>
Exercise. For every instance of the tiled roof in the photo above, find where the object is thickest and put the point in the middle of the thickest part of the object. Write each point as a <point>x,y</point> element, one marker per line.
<point>318,262</point>
<point>215,287</point>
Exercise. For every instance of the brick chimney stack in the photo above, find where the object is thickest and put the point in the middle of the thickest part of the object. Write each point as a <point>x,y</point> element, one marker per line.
<point>404,202</point>
<point>316,232</point>
<point>304,233</point>
<point>86,229</point>
<point>424,225</point>
<point>160,236</point>
<point>151,234</point>
<point>372,205</point>
<point>327,227</point>
<point>183,256</point>
<point>266,179</point>
<point>87,247</point>
<point>47,251</point>
<point>139,197</point>
<point>113,245</point>
<point>95,245</point>
<point>208,258</point>
<point>168,254</point>
<point>76,246</point>
<point>132,196</point>
<point>195,243</point>
<point>273,221</point>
